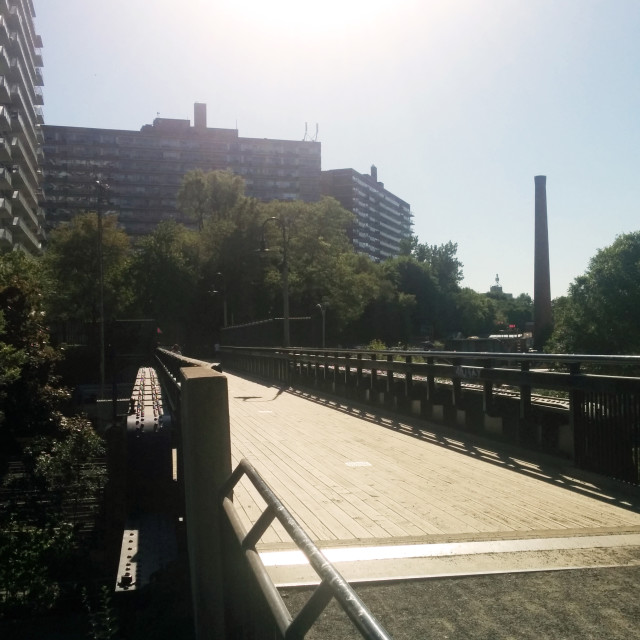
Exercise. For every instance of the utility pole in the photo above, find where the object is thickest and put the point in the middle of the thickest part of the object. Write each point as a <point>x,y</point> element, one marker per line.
<point>102,187</point>
<point>285,273</point>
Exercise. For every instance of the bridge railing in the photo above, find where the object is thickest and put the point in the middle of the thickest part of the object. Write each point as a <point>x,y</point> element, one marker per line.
<point>225,569</point>
<point>549,402</point>
<point>332,584</point>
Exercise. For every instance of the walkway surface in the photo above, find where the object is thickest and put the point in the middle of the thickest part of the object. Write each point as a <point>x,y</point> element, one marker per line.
<point>385,500</point>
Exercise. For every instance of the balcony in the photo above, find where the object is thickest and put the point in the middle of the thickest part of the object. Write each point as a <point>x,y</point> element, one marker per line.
<point>5,179</point>
<point>6,239</point>
<point>22,231</point>
<point>4,61</point>
<point>38,96</point>
<point>25,152</point>
<point>5,149</point>
<point>4,31</point>
<point>23,184</point>
<point>5,120</point>
<point>22,208</point>
<point>5,209</point>
<point>17,123</point>
<point>5,92</point>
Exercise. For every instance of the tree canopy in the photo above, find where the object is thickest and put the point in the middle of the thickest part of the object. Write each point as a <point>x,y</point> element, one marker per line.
<point>28,395</point>
<point>443,261</point>
<point>72,264</point>
<point>212,195</point>
<point>600,313</point>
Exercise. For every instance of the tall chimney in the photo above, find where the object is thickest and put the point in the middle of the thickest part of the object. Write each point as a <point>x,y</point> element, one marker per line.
<point>200,115</point>
<point>374,172</point>
<point>542,320</point>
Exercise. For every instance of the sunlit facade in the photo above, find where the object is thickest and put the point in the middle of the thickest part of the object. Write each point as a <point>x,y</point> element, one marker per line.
<point>21,217</point>
<point>383,220</point>
<point>144,169</point>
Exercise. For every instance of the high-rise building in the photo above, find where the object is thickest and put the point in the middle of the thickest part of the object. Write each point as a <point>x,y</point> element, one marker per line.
<point>383,220</point>
<point>21,217</point>
<point>144,169</point>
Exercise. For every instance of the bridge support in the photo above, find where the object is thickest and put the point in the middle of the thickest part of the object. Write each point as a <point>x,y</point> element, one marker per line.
<point>206,446</point>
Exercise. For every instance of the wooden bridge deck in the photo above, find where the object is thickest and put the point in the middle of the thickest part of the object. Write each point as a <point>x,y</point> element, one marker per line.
<point>355,478</point>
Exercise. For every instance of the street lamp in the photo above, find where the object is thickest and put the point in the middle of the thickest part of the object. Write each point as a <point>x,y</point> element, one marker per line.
<point>219,287</point>
<point>285,273</point>
<point>323,311</point>
<point>102,188</point>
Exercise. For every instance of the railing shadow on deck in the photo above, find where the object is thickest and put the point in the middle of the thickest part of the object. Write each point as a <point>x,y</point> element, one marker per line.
<point>591,420</point>
<point>542,467</point>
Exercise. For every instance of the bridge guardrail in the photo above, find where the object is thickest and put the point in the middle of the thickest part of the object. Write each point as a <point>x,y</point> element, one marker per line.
<point>332,584</point>
<point>200,415</point>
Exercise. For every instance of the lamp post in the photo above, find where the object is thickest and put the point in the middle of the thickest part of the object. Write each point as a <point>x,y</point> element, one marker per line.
<point>102,188</point>
<point>323,311</point>
<point>285,273</point>
<point>219,287</point>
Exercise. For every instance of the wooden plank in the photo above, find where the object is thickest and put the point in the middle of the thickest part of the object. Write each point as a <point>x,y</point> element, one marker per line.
<point>349,477</point>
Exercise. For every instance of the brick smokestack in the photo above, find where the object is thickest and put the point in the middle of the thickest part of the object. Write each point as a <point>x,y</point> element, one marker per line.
<point>542,320</point>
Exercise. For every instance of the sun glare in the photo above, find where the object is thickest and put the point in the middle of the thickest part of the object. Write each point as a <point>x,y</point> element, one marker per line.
<point>307,16</point>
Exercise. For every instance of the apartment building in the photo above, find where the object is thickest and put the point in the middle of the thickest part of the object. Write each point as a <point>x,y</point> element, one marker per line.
<point>383,220</point>
<point>21,217</point>
<point>144,169</point>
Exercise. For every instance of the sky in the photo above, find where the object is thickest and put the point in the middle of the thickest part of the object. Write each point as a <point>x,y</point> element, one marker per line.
<point>458,103</point>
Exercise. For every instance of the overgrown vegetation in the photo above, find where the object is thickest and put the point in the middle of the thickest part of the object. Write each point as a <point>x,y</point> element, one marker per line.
<point>50,477</point>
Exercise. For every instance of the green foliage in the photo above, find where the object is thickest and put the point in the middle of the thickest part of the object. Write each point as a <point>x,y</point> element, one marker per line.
<point>164,274</point>
<point>28,394</point>
<point>509,310</point>
<point>476,313</point>
<point>39,511</point>
<point>443,261</point>
<point>38,529</point>
<point>210,196</point>
<point>27,554</point>
<point>63,468</point>
<point>600,314</point>
<point>102,616</point>
<point>72,265</point>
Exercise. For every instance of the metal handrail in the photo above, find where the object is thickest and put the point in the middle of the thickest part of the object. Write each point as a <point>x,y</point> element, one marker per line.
<point>496,357</point>
<point>332,584</point>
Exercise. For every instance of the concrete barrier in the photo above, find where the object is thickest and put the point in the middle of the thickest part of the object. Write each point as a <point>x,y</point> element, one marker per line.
<point>206,450</point>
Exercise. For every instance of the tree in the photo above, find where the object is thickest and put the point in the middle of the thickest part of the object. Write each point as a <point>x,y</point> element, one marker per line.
<point>511,311</point>
<point>600,313</point>
<point>209,196</point>
<point>164,274</point>
<point>475,312</point>
<point>72,262</point>
<point>417,294</point>
<point>37,539</point>
<point>444,263</point>
<point>323,266</point>
<point>28,394</point>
